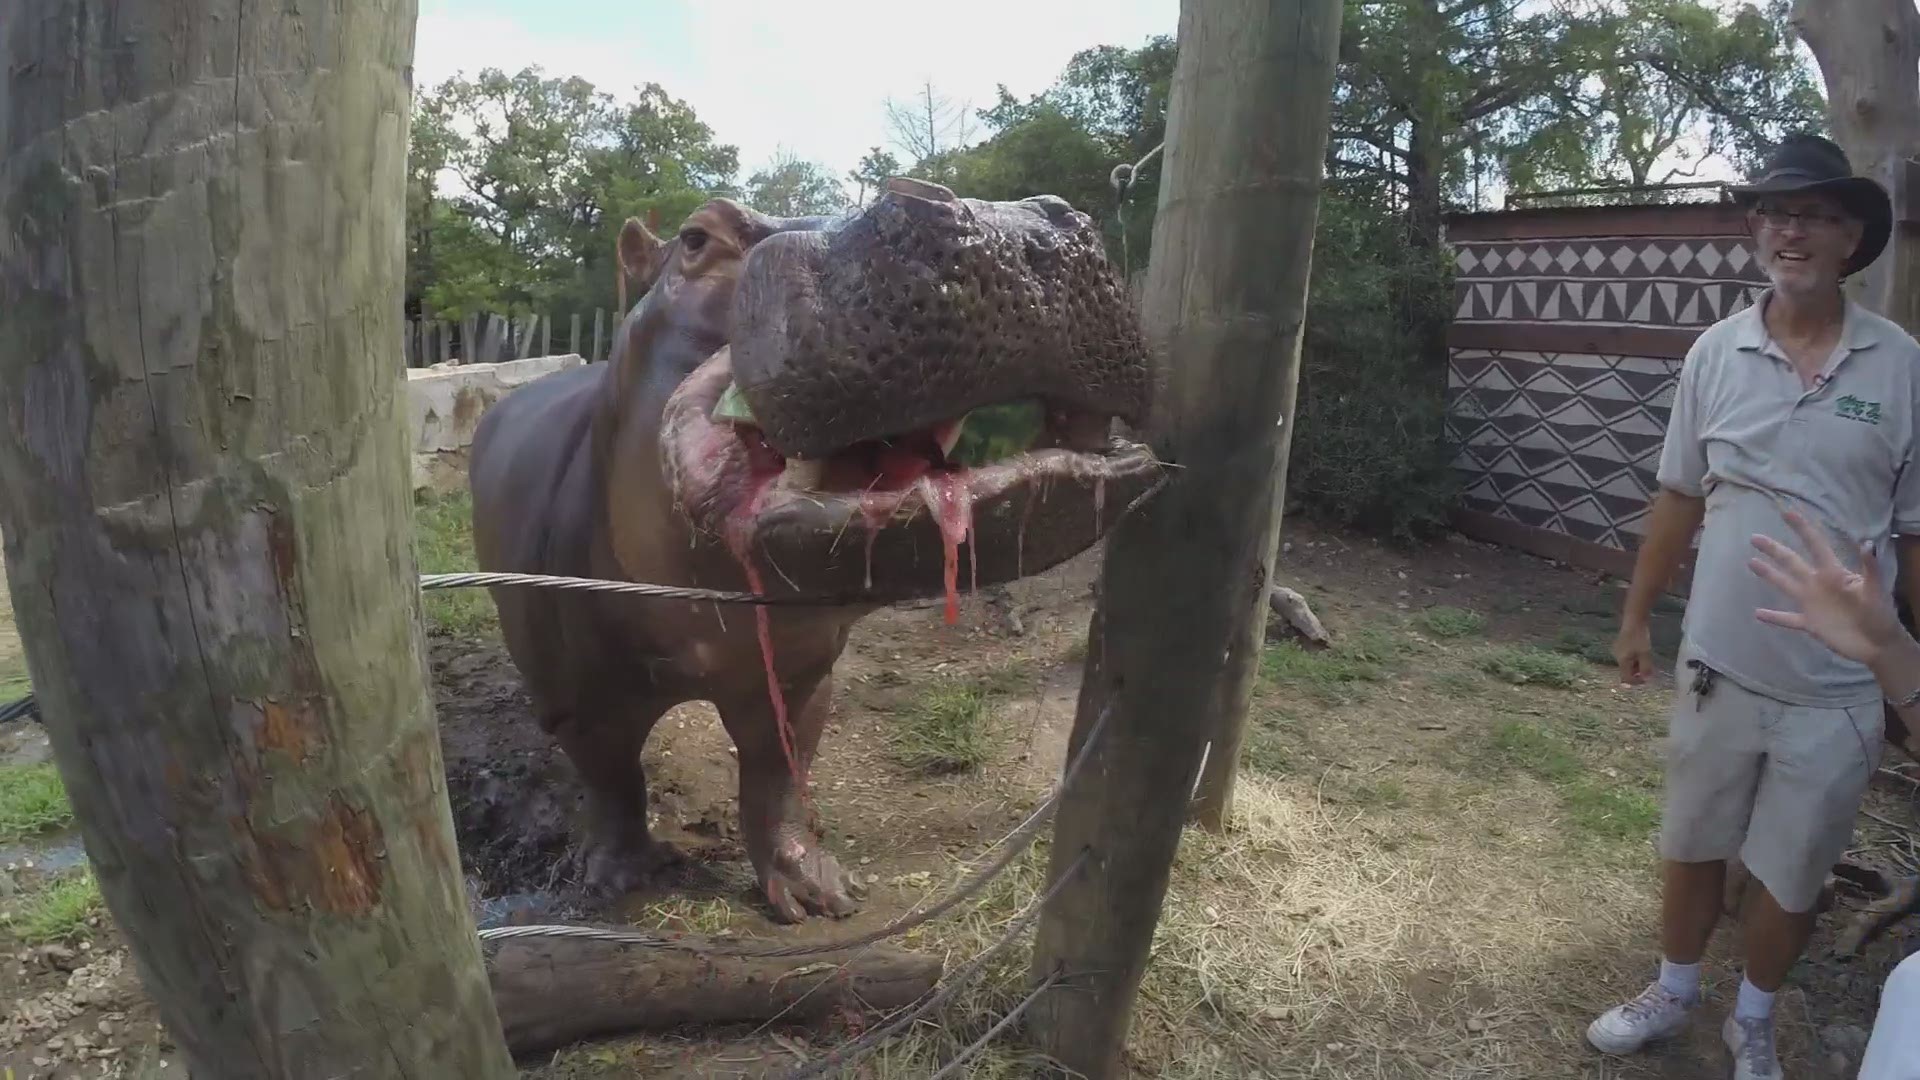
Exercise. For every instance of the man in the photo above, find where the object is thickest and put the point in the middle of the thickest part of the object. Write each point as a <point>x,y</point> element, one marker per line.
<point>1804,400</point>
<point>1852,614</point>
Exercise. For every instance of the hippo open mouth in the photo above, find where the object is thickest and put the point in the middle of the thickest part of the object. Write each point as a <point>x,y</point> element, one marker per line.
<point>927,373</point>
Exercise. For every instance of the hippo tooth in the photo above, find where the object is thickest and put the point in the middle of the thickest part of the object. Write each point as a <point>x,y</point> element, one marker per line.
<point>803,474</point>
<point>947,434</point>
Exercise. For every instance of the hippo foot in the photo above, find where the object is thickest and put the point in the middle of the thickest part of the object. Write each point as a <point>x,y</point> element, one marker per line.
<point>615,867</point>
<point>805,879</point>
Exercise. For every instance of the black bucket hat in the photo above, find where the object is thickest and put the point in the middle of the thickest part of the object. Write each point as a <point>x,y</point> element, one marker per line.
<point>1808,164</point>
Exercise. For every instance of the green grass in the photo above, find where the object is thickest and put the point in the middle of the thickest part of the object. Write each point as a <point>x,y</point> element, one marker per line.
<point>58,912</point>
<point>1528,665</point>
<point>1598,807</point>
<point>443,529</point>
<point>1611,811</point>
<point>1534,749</point>
<point>1382,795</point>
<point>1273,739</point>
<point>1459,684</point>
<point>1333,675</point>
<point>1592,646</point>
<point>1450,622</point>
<point>31,801</point>
<point>945,731</point>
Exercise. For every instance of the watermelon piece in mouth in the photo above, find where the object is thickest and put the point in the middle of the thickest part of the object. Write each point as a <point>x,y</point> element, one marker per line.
<point>984,436</point>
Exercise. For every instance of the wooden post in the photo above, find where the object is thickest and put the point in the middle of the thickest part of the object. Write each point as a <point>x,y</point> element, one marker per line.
<point>1869,56</point>
<point>546,336</point>
<point>208,522</point>
<point>573,334</point>
<point>446,341</point>
<point>598,335</point>
<point>1175,637</point>
<point>469,339</point>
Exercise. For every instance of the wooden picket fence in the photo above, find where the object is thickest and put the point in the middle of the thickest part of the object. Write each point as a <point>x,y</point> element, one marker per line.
<point>489,339</point>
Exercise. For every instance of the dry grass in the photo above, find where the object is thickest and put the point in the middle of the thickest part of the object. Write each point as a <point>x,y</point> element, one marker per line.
<point>1462,914</point>
<point>1298,945</point>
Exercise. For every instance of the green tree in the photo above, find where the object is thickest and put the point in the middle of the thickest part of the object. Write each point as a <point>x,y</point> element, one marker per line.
<point>543,172</point>
<point>793,187</point>
<point>873,172</point>
<point>1726,84</point>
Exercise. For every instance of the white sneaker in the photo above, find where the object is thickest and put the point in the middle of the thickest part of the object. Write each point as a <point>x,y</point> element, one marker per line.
<point>1655,1014</point>
<point>1751,1043</point>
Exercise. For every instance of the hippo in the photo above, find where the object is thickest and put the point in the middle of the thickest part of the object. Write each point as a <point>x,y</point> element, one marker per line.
<point>787,409</point>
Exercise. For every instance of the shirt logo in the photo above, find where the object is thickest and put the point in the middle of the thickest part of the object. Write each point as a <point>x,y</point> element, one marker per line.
<point>1852,408</point>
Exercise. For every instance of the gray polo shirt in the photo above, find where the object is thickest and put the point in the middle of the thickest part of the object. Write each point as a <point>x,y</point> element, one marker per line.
<point>1748,436</point>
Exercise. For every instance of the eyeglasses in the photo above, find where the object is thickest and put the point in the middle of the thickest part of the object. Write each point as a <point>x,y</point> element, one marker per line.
<point>1777,219</point>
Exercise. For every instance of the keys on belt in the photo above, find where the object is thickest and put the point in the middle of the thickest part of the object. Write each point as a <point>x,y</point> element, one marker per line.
<point>1703,678</point>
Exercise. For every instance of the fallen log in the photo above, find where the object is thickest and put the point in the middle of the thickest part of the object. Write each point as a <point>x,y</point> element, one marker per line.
<point>1872,921</point>
<point>552,992</point>
<point>1292,619</point>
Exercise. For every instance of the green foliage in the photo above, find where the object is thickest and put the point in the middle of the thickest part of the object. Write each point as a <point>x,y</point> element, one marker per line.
<point>1526,665</point>
<point>32,800</point>
<point>874,171</point>
<point>1370,445</point>
<point>1730,80</point>
<point>1451,622</point>
<point>544,171</point>
<point>443,530</point>
<point>790,187</point>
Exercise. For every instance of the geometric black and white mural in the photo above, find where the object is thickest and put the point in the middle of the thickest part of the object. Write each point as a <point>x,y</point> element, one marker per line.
<point>1568,442</point>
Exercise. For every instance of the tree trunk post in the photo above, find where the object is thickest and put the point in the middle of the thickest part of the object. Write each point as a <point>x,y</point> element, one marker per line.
<point>1869,56</point>
<point>1175,637</point>
<point>204,483</point>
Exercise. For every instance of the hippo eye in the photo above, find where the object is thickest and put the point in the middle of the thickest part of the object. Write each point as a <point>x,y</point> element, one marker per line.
<point>693,240</point>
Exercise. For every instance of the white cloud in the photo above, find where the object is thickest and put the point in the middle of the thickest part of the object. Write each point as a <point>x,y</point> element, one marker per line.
<point>769,75</point>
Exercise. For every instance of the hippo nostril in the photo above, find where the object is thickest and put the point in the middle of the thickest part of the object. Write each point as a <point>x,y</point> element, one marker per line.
<point>919,189</point>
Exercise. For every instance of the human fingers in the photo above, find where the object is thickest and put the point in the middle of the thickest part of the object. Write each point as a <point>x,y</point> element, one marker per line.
<point>1786,561</point>
<point>1818,546</point>
<point>1792,620</point>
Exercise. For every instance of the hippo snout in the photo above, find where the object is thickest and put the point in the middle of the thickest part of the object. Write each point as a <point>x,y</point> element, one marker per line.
<point>923,306</point>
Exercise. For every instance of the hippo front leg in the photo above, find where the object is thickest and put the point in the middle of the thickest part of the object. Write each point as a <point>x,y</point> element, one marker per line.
<point>798,876</point>
<point>620,853</point>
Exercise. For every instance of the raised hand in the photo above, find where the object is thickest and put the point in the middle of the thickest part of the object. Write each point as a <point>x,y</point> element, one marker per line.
<point>1850,612</point>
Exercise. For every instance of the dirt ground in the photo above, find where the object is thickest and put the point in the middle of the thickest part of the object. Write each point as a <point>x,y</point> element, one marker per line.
<point>1440,864</point>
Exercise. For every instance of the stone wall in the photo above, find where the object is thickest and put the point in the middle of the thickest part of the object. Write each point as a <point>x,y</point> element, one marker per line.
<point>445,403</point>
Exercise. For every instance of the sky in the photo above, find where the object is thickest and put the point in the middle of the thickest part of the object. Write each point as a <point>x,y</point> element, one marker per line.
<point>808,77</point>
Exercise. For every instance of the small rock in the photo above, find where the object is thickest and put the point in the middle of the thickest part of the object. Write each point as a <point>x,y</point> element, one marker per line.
<point>41,1062</point>
<point>1428,1061</point>
<point>1845,1039</point>
<point>105,1027</point>
<point>1276,1013</point>
<point>58,956</point>
<point>866,860</point>
<point>1475,1025</point>
<point>873,879</point>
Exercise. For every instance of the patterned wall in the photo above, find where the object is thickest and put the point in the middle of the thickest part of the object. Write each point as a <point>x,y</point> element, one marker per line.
<point>1568,330</point>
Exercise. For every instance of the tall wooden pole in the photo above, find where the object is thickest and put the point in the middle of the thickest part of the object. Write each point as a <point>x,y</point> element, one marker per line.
<point>1176,635</point>
<point>1869,56</point>
<point>204,486</point>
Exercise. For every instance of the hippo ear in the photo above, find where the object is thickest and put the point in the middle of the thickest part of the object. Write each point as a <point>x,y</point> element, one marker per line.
<point>639,253</point>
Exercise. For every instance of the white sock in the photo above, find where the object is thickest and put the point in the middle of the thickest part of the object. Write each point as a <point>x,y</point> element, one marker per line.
<point>1754,1003</point>
<point>1680,980</point>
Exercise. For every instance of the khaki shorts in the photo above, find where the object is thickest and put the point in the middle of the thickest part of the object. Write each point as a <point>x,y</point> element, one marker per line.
<point>1777,784</point>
